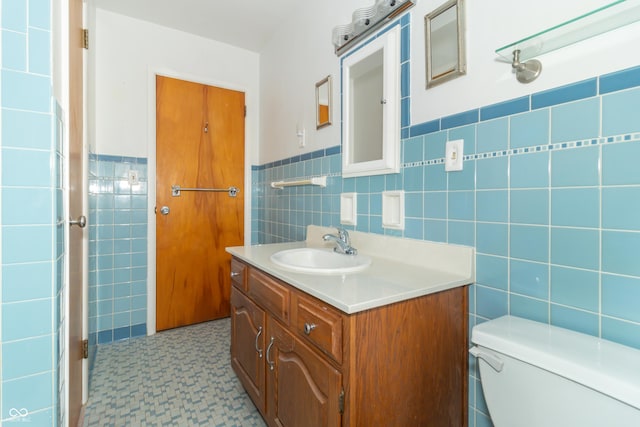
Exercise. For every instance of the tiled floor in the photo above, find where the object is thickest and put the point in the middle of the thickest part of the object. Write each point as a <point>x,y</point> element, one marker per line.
<point>180,377</point>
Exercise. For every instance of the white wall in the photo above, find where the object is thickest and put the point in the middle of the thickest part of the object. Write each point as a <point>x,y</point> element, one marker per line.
<point>297,57</point>
<point>302,53</point>
<point>492,24</point>
<point>127,54</point>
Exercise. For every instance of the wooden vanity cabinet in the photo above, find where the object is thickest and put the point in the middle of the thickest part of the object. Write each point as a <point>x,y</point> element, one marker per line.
<point>403,364</point>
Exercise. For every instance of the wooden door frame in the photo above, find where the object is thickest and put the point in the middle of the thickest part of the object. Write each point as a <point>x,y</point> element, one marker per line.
<point>67,42</point>
<point>151,176</point>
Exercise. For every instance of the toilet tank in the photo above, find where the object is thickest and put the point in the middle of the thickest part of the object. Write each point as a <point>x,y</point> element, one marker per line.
<point>535,374</point>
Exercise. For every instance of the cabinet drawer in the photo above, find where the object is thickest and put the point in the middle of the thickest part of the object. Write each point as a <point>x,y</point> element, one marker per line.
<point>321,325</point>
<point>238,275</point>
<point>270,294</point>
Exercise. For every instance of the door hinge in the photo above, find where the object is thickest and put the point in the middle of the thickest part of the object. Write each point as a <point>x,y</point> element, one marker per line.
<point>85,349</point>
<point>245,111</point>
<point>85,38</point>
<point>341,401</point>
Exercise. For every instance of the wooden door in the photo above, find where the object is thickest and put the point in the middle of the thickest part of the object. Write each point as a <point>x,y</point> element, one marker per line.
<point>303,389</point>
<point>76,195</point>
<point>247,346</point>
<point>199,144</point>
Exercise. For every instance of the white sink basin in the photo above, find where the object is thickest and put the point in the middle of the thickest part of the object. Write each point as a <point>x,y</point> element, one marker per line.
<point>320,261</point>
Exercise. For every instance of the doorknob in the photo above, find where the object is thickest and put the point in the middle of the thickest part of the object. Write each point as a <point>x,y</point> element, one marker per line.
<point>80,222</point>
<point>164,210</point>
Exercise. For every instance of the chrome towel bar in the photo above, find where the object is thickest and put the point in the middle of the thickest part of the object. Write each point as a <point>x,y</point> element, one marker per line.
<point>176,189</point>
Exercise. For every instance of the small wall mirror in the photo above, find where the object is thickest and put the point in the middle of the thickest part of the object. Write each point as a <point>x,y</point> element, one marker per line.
<point>323,102</point>
<point>444,43</point>
<point>371,107</point>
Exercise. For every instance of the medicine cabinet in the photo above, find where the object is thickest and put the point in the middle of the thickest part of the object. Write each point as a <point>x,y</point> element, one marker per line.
<point>371,107</point>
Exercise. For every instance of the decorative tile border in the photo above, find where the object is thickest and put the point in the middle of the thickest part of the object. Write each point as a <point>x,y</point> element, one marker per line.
<point>534,149</point>
<point>499,153</point>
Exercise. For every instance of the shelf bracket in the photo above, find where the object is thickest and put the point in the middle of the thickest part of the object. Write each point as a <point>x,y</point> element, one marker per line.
<point>527,71</point>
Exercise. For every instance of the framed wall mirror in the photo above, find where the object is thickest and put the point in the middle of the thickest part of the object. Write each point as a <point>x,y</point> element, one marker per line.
<point>371,107</point>
<point>323,102</point>
<point>444,43</point>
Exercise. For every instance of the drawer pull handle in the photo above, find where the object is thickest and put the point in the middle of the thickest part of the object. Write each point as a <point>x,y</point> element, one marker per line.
<point>258,337</point>
<point>308,327</point>
<point>269,362</point>
<point>234,274</point>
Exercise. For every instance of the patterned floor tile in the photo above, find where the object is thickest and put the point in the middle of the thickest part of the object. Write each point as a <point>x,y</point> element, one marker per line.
<point>180,377</point>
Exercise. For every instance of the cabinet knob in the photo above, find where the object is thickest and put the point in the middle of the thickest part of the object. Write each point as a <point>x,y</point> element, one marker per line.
<point>308,327</point>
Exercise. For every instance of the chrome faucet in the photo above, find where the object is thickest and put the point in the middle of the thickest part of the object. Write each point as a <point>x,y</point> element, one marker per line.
<point>343,242</point>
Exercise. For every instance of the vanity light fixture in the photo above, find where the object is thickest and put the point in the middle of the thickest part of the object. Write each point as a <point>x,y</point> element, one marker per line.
<point>365,20</point>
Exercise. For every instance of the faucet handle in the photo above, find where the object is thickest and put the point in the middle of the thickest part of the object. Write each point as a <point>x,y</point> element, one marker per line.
<point>343,234</point>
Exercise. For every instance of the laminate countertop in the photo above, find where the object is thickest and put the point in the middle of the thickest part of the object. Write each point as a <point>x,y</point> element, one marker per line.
<point>400,269</point>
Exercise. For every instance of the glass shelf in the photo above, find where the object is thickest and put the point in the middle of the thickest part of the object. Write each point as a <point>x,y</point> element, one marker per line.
<point>609,17</point>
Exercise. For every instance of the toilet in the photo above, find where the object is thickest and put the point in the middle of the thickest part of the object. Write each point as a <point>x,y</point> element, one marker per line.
<point>536,375</point>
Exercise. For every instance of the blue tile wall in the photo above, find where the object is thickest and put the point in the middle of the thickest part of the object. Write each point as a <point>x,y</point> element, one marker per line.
<point>31,221</point>
<point>117,249</point>
<point>282,215</point>
<point>550,207</point>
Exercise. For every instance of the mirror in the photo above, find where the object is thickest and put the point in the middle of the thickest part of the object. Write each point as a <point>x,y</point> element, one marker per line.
<point>444,42</point>
<point>366,86</point>
<point>371,107</point>
<point>323,102</point>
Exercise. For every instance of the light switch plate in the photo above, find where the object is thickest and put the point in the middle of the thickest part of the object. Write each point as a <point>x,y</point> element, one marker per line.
<point>133,177</point>
<point>454,153</point>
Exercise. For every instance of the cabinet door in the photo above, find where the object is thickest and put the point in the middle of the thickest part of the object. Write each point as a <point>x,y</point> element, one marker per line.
<point>303,389</point>
<point>247,346</point>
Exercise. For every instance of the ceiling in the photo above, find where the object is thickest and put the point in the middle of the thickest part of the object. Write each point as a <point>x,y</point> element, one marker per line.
<point>247,24</point>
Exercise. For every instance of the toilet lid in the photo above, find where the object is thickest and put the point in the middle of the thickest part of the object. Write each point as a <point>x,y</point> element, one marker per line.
<point>611,368</point>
